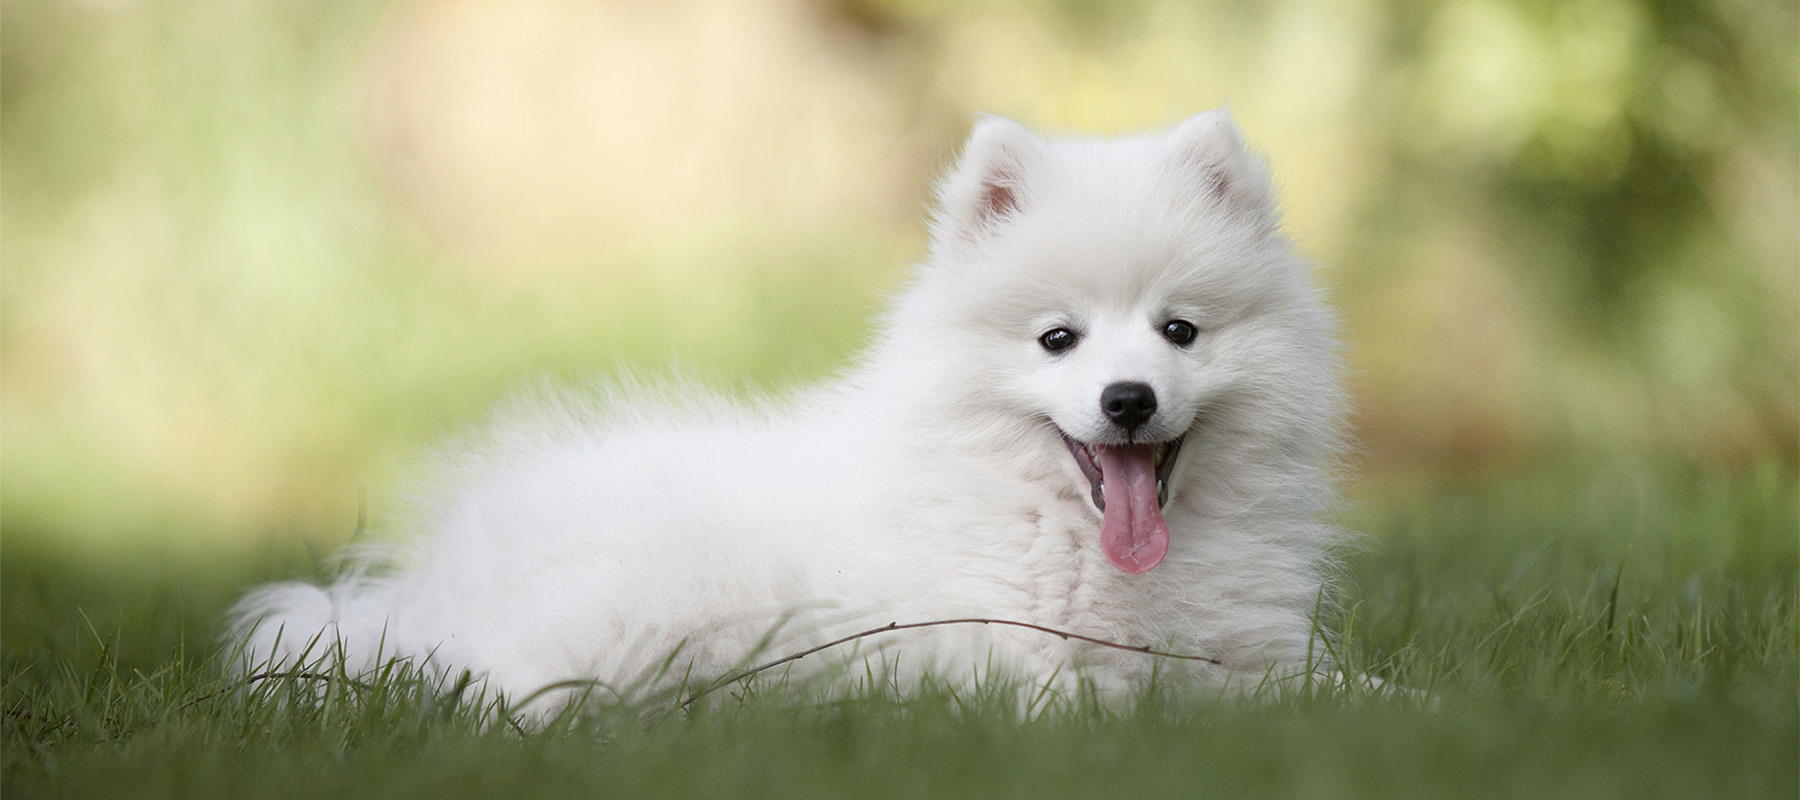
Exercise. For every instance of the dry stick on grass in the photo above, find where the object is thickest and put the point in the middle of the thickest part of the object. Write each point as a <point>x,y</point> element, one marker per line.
<point>895,626</point>
<point>300,675</point>
<point>263,676</point>
<point>747,673</point>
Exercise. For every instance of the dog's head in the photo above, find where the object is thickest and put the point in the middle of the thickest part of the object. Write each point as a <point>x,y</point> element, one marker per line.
<point>1120,295</point>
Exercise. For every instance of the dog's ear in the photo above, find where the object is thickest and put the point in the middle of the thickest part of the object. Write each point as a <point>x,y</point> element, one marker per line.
<point>988,184</point>
<point>1224,172</point>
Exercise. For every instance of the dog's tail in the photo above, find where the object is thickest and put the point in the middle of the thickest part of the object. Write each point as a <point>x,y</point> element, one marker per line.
<point>294,624</point>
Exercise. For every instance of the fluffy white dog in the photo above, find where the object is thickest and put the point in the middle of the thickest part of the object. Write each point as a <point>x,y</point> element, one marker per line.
<point>1108,403</point>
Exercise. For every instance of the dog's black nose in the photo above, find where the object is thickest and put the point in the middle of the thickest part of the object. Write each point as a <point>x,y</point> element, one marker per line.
<point>1128,404</point>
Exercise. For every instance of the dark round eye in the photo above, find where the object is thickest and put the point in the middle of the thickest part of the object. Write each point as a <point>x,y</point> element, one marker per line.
<point>1179,331</point>
<point>1057,340</point>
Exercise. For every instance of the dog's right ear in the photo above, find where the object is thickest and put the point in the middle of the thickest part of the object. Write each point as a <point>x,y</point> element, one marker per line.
<point>987,185</point>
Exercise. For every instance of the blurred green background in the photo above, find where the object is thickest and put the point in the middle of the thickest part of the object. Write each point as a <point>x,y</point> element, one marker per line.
<point>257,253</point>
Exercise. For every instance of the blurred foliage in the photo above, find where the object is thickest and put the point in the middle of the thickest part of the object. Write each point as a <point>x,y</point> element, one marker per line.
<point>255,253</point>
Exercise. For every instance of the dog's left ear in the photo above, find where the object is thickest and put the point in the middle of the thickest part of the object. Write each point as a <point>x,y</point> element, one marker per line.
<point>1225,173</point>
<point>989,183</point>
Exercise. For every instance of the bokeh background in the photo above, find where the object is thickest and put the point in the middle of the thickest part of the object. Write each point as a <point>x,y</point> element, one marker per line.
<point>257,253</point>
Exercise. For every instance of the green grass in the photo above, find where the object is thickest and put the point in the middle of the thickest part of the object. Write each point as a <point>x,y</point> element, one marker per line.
<point>1594,637</point>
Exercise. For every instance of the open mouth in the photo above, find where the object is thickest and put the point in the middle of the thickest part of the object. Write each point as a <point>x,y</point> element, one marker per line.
<point>1129,484</point>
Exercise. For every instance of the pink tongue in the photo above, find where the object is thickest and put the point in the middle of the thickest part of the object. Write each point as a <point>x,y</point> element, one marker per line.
<point>1133,532</point>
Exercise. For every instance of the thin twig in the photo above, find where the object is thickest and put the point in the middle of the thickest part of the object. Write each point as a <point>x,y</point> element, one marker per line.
<point>236,685</point>
<point>895,626</point>
<point>263,676</point>
<point>727,680</point>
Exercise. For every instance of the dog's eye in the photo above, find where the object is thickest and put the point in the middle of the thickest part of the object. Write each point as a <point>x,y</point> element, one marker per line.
<point>1179,331</point>
<point>1057,340</point>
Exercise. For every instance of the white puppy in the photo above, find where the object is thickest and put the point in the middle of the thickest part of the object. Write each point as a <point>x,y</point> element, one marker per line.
<point>1108,403</point>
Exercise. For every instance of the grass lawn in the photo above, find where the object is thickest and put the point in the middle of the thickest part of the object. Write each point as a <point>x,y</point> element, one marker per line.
<point>1610,636</point>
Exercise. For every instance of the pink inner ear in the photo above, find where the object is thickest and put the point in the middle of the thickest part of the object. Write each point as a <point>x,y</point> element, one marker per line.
<point>997,200</point>
<point>1214,182</point>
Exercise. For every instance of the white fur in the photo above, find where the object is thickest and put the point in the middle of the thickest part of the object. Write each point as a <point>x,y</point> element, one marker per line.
<point>590,537</point>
